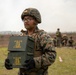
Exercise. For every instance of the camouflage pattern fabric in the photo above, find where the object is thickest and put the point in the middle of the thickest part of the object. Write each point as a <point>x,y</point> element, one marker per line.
<point>58,34</point>
<point>70,42</point>
<point>58,37</point>
<point>44,53</point>
<point>32,12</point>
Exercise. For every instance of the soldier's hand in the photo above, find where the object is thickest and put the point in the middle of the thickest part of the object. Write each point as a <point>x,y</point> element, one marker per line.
<point>29,64</point>
<point>7,64</point>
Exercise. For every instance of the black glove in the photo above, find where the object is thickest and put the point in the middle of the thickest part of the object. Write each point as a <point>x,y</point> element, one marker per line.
<point>7,64</point>
<point>29,64</point>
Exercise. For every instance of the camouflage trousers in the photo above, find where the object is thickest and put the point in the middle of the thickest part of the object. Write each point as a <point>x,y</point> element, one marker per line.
<point>40,72</point>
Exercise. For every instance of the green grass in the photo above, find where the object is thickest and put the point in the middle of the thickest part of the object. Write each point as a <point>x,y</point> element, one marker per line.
<point>3,70</point>
<point>66,67</point>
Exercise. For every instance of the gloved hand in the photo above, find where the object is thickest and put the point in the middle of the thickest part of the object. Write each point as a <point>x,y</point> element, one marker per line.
<point>7,64</point>
<point>29,64</point>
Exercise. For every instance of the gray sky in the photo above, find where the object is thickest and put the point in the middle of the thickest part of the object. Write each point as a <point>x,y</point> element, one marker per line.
<point>55,14</point>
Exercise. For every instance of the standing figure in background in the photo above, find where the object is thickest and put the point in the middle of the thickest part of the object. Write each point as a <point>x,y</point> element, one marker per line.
<point>58,37</point>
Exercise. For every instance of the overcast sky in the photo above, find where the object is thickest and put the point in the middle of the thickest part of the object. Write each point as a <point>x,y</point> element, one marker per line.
<point>55,14</point>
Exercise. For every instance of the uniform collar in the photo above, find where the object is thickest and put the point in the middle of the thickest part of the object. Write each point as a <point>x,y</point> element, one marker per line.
<point>35,31</point>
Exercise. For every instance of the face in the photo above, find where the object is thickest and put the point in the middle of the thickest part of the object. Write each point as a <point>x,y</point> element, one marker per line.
<point>29,22</point>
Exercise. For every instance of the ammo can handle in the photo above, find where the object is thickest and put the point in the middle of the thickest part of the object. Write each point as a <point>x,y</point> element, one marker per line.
<point>30,54</point>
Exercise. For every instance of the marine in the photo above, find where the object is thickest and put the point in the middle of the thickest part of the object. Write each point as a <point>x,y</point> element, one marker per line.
<point>44,51</point>
<point>58,37</point>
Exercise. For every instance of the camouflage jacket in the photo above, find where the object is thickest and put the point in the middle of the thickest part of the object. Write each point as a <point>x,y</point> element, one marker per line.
<point>44,53</point>
<point>58,34</point>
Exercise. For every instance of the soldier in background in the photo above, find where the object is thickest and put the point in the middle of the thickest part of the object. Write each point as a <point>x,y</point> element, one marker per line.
<point>44,53</point>
<point>70,42</point>
<point>64,40</point>
<point>58,37</point>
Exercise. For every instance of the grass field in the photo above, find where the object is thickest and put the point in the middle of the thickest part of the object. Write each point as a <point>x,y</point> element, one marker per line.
<point>66,67</point>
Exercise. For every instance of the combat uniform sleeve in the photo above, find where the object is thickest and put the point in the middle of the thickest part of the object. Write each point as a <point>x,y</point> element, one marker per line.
<point>49,53</point>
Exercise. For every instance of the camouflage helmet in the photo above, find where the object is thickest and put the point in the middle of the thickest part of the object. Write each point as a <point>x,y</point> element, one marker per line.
<point>32,12</point>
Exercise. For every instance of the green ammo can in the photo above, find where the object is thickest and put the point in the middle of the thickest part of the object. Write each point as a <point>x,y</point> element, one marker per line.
<point>21,48</point>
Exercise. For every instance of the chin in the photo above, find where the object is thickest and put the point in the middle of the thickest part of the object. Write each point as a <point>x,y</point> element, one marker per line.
<point>28,28</point>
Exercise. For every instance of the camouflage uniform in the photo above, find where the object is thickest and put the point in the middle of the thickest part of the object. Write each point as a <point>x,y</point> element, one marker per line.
<point>44,52</point>
<point>64,40</point>
<point>71,41</point>
<point>58,37</point>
